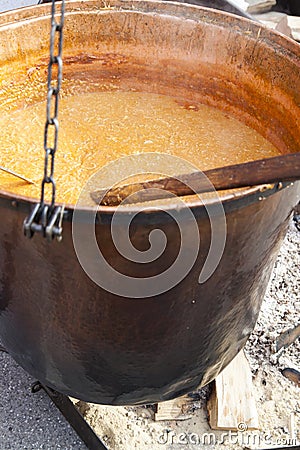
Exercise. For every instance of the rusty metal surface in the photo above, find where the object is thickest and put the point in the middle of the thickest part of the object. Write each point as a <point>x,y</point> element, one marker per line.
<point>222,5</point>
<point>56,323</point>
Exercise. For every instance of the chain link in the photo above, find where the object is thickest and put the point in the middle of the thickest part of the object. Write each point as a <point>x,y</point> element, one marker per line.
<point>43,218</point>
<point>53,87</point>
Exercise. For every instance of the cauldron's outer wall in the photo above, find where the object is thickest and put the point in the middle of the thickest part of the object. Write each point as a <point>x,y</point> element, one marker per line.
<point>83,341</point>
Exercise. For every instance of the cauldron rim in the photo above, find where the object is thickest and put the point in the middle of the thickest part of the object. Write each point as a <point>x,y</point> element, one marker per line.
<point>230,201</point>
<point>23,14</point>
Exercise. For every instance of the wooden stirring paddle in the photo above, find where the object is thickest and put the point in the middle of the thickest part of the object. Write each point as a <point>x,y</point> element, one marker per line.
<point>262,171</point>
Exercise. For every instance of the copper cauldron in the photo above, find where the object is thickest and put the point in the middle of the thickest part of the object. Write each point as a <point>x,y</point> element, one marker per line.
<point>54,320</point>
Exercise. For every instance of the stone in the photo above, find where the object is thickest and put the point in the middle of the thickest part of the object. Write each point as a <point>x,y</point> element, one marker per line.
<point>254,6</point>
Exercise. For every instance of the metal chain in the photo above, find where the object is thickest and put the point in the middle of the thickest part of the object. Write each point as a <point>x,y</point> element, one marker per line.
<point>43,218</point>
<point>53,87</point>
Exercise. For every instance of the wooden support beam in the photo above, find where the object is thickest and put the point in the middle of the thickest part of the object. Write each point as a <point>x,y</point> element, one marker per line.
<point>176,409</point>
<point>232,405</point>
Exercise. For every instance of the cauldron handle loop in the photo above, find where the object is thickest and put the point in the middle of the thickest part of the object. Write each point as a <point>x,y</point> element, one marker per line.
<point>45,220</point>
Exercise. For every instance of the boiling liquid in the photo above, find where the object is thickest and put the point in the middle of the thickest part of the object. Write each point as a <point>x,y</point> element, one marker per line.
<point>98,128</point>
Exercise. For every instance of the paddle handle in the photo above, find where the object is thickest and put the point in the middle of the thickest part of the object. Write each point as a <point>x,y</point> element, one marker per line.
<point>263,171</point>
